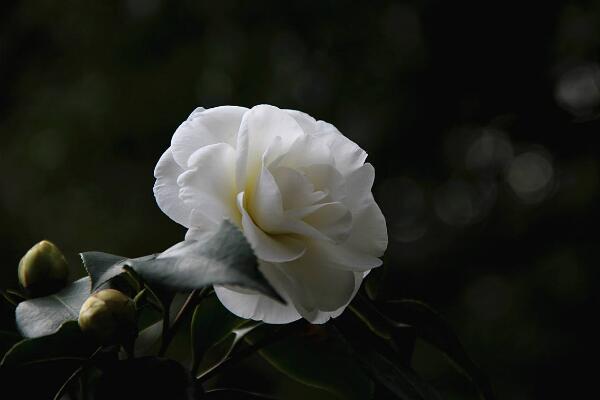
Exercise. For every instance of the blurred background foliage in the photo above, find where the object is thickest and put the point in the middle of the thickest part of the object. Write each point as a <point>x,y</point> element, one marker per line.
<point>479,117</point>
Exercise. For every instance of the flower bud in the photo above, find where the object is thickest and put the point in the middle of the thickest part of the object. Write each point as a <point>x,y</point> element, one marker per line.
<point>43,270</point>
<point>109,316</point>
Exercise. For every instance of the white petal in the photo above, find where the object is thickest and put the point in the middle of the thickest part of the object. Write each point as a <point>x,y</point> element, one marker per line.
<point>333,220</point>
<point>348,155</point>
<point>295,188</point>
<point>209,184</point>
<point>166,189</point>
<point>328,179</point>
<point>259,128</point>
<point>257,306</point>
<point>201,226</point>
<point>308,150</point>
<point>320,317</point>
<point>306,122</point>
<point>347,257</point>
<point>369,233</point>
<point>316,286</point>
<point>271,248</point>
<point>206,127</point>
<point>264,202</point>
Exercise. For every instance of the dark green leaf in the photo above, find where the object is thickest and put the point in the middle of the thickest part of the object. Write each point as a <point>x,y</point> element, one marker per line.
<point>317,359</point>
<point>434,329</point>
<point>102,267</point>
<point>400,337</point>
<point>383,364</point>
<point>7,340</point>
<point>396,377</point>
<point>44,315</point>
<point>220,352</point>
<point>211,323</point>
<point>68,343</point>
<point>223,258</point>
<point>235,394</point>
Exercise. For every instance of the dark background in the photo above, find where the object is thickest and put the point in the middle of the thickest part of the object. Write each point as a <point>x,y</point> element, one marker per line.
<point>479,118</point>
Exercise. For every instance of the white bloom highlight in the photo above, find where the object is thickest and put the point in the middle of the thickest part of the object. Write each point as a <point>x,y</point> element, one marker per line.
<point>299,190</point>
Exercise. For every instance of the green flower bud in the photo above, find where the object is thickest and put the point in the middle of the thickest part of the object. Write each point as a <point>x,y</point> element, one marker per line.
<point>109,316</point>
<point>43,270</point>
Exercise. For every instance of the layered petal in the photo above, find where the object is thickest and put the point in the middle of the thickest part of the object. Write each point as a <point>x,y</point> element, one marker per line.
<point>259,307</point>
<point>208,185</point>
<point>316,286</point>
<point>270,248</point>
<point>206,127</point>
<point>369,233</point>
<point>299,190</point>
<point>261,126</point>
<point>348,155</point>
<point>166,190</point>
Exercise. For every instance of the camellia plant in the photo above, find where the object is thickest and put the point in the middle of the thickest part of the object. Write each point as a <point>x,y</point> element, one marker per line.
<point>282,232</point>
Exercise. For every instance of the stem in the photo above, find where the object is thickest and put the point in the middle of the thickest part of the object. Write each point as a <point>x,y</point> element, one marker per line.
<point>169,331</point>
<point>248,351</point>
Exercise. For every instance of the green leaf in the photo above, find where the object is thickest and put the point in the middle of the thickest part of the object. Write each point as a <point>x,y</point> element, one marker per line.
<point>220,352</point>
<point>44,315</point>
<point>235,394</point>
<point>400,337</point>
<point>102,267</point>
<point>68,343</point>
<point>378,359</point>
<point>317,359</point>
<point>211,324</point>
<point>7,340</point>
<point>396,377</point>
<point>434,329</point>
<point>224,258</point>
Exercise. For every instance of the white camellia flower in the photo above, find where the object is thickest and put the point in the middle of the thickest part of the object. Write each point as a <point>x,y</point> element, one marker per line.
<point>299,190</point>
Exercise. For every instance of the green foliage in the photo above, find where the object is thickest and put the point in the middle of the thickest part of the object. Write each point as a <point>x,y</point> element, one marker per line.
<point>365,353</point>
<point>68,343</point>
<point>44,315</point>
<point>431,327</point>
<point>214,328</point>
<point>224,258</point>
<point>318,359</point>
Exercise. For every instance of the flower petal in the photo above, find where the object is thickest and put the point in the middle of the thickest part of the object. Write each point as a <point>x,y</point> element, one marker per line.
<point>270,248</point>
<point>259,128</point>
<point>206,127</point>
<point>334,220</point>
<point>295,188</point>
<point>320,317</point>
<point>369,233</point>
<point>348,155</point>
<point>306,122</point>
<point>166,190</point>
<point>259,307</point>
<point>209,183</point>
<point>316,286</point>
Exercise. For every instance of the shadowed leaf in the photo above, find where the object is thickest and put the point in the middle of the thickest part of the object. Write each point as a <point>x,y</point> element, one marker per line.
<point>434,329</point>
<point>68,343</point>
<point>224,258</point>
<point>44,315</point>
<point>317,359</point>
